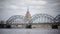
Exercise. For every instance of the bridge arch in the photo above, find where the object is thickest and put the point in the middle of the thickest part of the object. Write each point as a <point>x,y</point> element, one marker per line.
<point>12,18</point>
<point>39,18</point>
<point>57,18</point>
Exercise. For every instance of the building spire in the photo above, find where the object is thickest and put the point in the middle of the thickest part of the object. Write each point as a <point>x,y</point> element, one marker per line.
<point>28,15</point>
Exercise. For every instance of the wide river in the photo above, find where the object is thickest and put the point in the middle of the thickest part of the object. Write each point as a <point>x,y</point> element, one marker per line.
<point>30,31</point>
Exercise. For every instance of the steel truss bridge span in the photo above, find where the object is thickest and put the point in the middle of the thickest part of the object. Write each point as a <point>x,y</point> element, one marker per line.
<point>39,18</point>
<point>57,18</point>
<point>12,18</point>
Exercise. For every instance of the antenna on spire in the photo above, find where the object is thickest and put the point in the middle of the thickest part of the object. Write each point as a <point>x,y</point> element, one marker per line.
<point>27,8</point>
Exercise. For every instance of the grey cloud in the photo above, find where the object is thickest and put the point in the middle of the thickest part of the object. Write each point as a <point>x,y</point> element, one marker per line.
<point>6,10</point>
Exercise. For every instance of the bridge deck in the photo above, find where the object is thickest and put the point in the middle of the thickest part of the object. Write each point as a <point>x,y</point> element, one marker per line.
<point>34,24</point>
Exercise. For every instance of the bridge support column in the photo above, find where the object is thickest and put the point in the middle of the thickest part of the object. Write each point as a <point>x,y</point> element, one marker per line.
<point>8,26</point>
<point>54,26</point>
<point>29,26</point>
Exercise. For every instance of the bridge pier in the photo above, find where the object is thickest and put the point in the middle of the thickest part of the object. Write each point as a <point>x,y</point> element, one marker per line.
<point>54,26</point>
<point>8,26</point>
<point>28,26</point>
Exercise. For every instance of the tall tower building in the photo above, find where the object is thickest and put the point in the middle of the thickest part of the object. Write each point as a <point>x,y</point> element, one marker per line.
<point>27,17</point>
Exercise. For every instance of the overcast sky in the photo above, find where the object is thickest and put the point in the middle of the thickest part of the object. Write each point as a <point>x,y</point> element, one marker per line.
<point>9,8</point>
